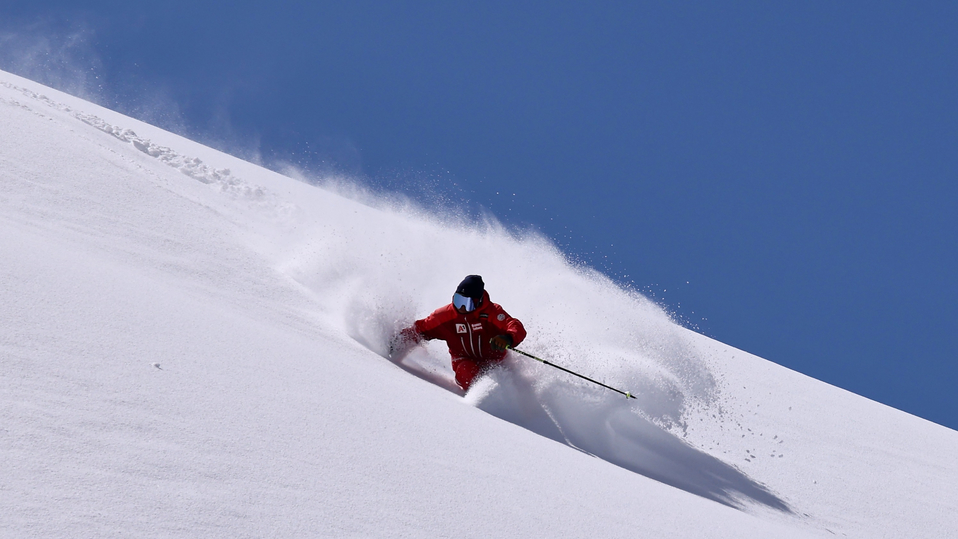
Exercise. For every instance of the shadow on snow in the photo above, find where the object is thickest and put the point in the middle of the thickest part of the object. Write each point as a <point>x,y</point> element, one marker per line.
<point>600,424</point>
<point>608,427</point>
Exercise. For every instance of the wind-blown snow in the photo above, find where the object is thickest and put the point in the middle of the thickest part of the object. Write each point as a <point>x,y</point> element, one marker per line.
<point>193,345</point>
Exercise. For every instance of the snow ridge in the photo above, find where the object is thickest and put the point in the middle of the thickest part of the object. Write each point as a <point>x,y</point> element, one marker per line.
<point>190,166</point>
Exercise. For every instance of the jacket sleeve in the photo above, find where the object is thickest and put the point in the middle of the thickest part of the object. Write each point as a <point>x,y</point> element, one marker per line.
<point>511,326</point>
<point>433,326</point>
<point>426,329</point>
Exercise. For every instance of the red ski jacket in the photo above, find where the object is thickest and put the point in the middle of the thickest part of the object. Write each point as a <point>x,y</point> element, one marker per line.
<point>468,335</point>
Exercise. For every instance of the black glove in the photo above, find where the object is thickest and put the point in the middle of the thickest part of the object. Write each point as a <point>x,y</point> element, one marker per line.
<point>501,342</point>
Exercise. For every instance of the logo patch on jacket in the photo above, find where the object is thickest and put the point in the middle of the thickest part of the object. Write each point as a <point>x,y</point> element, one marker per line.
<point>501,317</point>
<point>461,328</point>
<point>477,326</point>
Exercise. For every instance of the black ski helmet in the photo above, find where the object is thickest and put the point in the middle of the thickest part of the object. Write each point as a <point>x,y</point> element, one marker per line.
<point>472,287</point>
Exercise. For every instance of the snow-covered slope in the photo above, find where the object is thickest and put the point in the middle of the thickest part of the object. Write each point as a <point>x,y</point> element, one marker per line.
<point>190,345</point>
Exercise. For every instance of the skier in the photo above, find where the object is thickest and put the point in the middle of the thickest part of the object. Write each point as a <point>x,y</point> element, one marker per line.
<point>477,331</point>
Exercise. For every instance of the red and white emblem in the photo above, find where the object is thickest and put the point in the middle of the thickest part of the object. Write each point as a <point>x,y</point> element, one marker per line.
<point>461,328</point>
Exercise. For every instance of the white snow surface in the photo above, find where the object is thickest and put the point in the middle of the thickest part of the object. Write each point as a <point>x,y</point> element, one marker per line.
<point>193,346</point>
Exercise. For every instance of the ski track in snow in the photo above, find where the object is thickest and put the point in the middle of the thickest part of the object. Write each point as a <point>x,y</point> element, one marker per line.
<point>190,166</point>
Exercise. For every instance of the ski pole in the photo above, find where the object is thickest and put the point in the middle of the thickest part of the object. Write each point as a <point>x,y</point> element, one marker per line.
<point>627,394</point>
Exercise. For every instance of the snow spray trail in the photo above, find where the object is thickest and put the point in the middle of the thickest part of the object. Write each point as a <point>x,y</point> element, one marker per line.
<point>375,270</point>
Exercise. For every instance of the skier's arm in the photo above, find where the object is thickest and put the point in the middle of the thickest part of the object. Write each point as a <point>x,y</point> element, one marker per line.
<point>510,327</point>
<point>403,342</point>
<point>426,329</point>
<point>516,330</point>
<point>435,325</point>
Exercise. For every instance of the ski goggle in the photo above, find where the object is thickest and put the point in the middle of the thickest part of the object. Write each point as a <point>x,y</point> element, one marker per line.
<point>461,301</point>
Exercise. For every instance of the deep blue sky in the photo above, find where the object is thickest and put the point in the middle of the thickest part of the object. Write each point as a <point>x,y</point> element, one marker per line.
<point>783,175</point>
